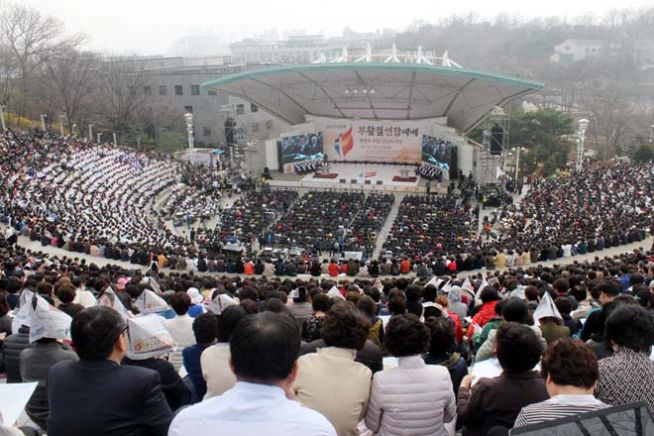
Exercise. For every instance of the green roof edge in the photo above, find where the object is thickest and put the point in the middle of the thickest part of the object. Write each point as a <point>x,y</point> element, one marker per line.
<point>446,71</point>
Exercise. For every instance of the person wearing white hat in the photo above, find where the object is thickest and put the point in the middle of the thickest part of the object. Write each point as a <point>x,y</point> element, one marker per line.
<point>197,298</point>
<point>148,330</point>
<point>49,326</point>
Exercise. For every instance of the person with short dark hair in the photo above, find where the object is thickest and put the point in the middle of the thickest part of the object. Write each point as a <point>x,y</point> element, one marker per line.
<point>569,368</point>
<point>180,327</point>
<point>301,309</point>
<point>607,291</point>
<point>98,396</point>
<point>413,295</point>
<point>311,327</point>
<point>441,350</point>
<point>628,375</point>
<point>427,388</point>
<point>331,373</point>
<point>497,401</point>
<point>215,359</point>
<point>369,308</point>
<point>490,297</point>
<point>264,349</point>
<point>205,330</point>
<point>66,294</point>
<point>513,310</point>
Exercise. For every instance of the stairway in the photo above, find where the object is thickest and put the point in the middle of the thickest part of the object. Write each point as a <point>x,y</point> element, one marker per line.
<point>383,233</point>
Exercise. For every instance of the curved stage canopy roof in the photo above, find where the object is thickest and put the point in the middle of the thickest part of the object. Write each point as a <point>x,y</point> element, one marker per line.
<point>375,91</point>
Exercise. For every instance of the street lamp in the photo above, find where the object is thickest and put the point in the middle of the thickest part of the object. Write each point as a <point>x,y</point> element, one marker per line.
<point>43,117</point>
<point>517,162</point>
<point>61,124</point>
<point>581,133</point>
<point>99,136</point>
<point>2,117</point>
<point>90,132</point>
<point>189,128</point>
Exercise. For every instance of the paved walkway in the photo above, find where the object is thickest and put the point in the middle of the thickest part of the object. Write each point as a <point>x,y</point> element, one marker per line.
<point>35,246</point>
<point>386,228</point>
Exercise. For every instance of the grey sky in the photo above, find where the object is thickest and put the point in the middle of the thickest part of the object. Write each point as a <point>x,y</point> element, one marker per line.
<point>152,26</point>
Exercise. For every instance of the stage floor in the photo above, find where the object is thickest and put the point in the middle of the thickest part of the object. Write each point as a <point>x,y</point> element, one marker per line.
<point>354,176</point>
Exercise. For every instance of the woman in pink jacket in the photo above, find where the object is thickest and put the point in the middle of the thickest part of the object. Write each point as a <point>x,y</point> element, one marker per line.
<point>414,398</point>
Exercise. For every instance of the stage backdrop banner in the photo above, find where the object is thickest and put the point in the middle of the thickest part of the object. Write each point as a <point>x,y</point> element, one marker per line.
<point>372,140</point>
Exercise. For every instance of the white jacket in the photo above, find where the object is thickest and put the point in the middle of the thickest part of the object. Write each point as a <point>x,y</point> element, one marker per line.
<point>412,399</point>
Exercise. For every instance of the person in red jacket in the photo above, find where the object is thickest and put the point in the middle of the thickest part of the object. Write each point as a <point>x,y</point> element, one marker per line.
<point>489,298</point>
<point>405,266</point>
<point>333,268</point>
<point>248,268</point>
<point>458,327</point>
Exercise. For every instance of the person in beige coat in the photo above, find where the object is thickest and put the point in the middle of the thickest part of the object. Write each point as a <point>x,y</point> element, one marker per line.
<point>414,398</point>
<point>214,360</point>
<point>526,258</point>
<point>330,381</point>
<point>500,260</point>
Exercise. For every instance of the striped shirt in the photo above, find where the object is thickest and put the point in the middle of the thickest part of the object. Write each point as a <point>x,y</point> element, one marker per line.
<point>559,406</point>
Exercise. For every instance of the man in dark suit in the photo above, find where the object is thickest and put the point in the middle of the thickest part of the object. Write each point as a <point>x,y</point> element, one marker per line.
<point>98,396</point>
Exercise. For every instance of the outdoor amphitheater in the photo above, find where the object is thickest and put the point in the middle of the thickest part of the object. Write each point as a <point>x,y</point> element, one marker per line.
<point>370,259</point>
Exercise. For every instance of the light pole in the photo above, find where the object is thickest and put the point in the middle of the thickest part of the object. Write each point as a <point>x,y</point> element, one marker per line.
<point>99,135</point>
<point>189,128</point>
<point>90,132</point>
<point>43,117</point>
<point>583,124</point>
<point>115,142</point>
<point>517,162</point>
<point>2,117</point>
<point>61,124</point>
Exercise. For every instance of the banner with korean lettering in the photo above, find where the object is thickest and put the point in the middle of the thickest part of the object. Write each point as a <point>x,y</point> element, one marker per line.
<point>372,140</point>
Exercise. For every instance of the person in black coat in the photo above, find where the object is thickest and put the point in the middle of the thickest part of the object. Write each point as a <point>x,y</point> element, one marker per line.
<point>11,349</point>
<point>97,395</point>
<point>172,384</point>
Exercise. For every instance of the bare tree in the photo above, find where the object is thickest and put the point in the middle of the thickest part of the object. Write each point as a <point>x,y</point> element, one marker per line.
<point>29,36</point>
<point>70,82</point>
<point>611,109</point>
<point>121,93</point>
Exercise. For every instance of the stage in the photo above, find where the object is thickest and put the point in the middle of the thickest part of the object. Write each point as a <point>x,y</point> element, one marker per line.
<point>368,177</point>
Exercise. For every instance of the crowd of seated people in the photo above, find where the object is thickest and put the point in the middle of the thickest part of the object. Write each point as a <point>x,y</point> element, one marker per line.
<point>580,213</point>
<point>189,203</point>
<point>402,356</point>
<point>309,166</point>
<point>431,224</point>
<point>248,219</point>
<point>430,172</point>
<point>66,193</point>
<point>334,221</point>
<point>98,200</point>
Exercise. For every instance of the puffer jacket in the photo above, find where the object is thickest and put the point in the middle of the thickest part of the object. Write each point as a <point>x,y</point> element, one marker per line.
<point>412,399</point>
<point>11,349</point>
